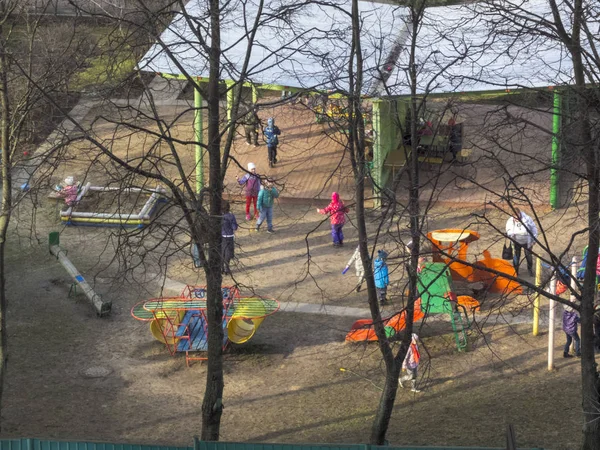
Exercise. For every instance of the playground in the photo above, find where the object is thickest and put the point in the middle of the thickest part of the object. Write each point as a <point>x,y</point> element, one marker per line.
<point>74,376</point>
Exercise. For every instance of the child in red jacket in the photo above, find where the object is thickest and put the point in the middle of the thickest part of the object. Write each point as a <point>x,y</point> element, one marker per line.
<point>337,216</point>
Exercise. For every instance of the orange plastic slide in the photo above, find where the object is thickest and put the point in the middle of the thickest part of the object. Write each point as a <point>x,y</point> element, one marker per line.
<point>363,330</point>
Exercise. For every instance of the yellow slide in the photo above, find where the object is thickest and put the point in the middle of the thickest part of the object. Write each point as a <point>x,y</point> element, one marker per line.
<point>164,326</point>
<point>246,319</point>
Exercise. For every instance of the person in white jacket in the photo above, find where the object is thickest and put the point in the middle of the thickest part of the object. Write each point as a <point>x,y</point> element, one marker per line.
<point>358,266</point>
<point>522,232</point>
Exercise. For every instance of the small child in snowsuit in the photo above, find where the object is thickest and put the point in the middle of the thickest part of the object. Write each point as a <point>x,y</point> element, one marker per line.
<point>271,132</point>
<point>337,216</point>
<point>69,191</point>
<point>569,325</point>
<point>382,279</point>
<point>228,227</point>
<point>411,364</point>
<point>358,266</point>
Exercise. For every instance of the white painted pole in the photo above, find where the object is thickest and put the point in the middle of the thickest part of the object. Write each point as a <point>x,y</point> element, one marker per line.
<point>101,306</point>
<point>148,206</point>
<point>551,325</point>
<point>93,215</point>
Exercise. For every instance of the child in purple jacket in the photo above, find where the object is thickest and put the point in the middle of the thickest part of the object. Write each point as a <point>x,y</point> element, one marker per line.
<point>251,183</point>
<point>570,320</point>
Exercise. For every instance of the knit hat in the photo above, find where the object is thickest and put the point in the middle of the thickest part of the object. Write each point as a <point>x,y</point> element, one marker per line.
<point>251,166</point>
<point>69,181</point>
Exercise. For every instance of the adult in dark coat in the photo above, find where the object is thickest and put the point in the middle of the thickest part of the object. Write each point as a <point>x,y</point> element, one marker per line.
<point>228,227</point>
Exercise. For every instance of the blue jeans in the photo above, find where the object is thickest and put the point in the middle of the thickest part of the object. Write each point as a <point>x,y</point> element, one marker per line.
<point>336,233</point>
<point>266,212</point>
<point>571,338</point>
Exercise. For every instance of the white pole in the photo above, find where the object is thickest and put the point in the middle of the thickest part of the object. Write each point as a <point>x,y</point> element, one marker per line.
<point>551,326</point>
<point>148,205</point>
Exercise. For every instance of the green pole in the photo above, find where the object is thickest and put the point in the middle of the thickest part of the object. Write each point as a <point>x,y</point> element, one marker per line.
<point>254,95</point>
<point>229,100</point>
<point>198,137</point>
<point>556,113</point>
<point>377,166</point>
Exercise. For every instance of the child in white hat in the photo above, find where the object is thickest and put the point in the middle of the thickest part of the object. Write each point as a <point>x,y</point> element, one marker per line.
<point>251,184</point>
<point>69,191</point>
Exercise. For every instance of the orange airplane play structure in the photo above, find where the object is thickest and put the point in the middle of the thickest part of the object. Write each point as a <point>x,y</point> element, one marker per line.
<point>455,243</point>
<point>436,297</point>
<point>363,330</point>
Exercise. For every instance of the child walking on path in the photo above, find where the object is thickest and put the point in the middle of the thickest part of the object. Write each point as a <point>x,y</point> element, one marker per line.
<point>251,123</point>
<point>266,198</point>
<point>358,266</point>
<point>271,132</point>
<point>228,227</point>
<point>411,364</point>
<point>337,216</point>
<point>251,183</point>
<point>569,325</point>
<point>382,279</point>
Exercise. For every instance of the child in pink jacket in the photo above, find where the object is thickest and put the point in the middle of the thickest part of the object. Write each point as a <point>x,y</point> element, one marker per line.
<point>337,216</point>
<point>69,191</point>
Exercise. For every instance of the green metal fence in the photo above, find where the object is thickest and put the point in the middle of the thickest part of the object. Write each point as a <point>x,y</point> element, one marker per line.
<point>39,444</point>
<point>200,445</point>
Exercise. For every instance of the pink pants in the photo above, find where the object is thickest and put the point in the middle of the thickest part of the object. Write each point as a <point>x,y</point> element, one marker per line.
<point>250,200</point>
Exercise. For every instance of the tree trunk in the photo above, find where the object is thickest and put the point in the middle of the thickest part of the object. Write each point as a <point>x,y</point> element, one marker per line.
<point>356,145</point>
<point>5,209</point>
<point>386,405</point>
<point>212,406</point>
<point>584,143</point>
<point>590,382</point>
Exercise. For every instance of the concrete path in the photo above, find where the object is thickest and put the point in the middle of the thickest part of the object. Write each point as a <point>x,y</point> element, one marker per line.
<point>176,287</point>
<point>165,90</point>
<point>309,308</point>
<point>25,170</point>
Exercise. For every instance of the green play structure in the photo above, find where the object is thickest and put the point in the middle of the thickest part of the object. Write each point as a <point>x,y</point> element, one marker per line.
<point>437,297</point>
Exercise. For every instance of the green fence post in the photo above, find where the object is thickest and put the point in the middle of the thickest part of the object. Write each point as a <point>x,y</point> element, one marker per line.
<point>556,113</point>
<point>54,238</point>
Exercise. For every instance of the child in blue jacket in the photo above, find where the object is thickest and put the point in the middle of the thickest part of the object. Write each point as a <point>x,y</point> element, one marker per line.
<point>382,279</point>
<point>271,132</point>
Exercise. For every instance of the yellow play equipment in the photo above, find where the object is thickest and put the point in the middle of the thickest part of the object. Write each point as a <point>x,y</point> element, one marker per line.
<point>181,323</point>
<point>246,319</point>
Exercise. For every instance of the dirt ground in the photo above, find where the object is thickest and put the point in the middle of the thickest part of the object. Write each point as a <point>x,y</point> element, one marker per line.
<point>74,376</point>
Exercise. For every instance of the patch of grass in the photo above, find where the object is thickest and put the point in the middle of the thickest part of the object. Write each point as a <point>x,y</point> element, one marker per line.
<point>105,70</point>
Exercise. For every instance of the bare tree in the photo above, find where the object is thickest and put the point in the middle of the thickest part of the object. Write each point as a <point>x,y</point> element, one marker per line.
<point>193,48</point>
<point>569,26</point>
<point>33,69</point>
